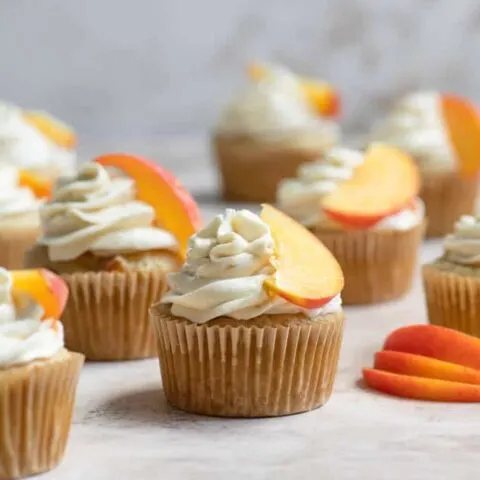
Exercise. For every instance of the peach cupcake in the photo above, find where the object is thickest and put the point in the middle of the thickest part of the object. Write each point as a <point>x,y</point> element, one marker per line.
<point>113,239</point>
<point>442,133</point>
<point>252,324</point>
<point>363,207</point>
<point>38,376</point>
<point>277,123</point>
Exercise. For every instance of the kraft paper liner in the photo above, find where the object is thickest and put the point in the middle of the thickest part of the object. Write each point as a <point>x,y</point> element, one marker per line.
<point>14,244</point>
<point>378,265</point>
<point>251,171</point>
<point>453,300</point>
<point>36,405</point>
<point>447,196</point>
<point>269,366</point>
<point>106,317</point>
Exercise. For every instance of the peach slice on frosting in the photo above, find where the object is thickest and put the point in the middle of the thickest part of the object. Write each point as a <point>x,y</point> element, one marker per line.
<point>175,209</point>
<point>46,288</point>
<point>41,187</point>
<point>385,183</point>
<point>53,129</point>
<point>307,273</point>
<point>462,119</point>
<point>322,96</point>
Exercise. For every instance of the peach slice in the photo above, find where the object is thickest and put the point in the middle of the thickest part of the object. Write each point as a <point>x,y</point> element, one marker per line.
<point>175,209</point>
<point>41,187</point>
<point>321,95</point>
<point>385,183</point>
<point>419,366</point>
<point>436,342</point>
<point>462,119</point>
<point>44,287</point>
<point>420,388</point>
<point>53,129</point>
<point>307,273</point>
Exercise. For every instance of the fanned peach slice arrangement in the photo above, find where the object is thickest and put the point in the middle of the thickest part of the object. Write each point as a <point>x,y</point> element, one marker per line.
<point>41,187</point>
<point>384,184</point>
<point>427,362</point>
<point>46,288</point>
<point>322,96</point>
<point>307,273</point>
<point>175,209</point>
<point>462,119</point>
<point>51,128</point>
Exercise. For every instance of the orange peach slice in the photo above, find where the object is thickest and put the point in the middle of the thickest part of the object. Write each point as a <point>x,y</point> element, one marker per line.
<point>53,129</point>
<point>41,187</point>
<point>419,366</point>
<point>436,342</point>
<point>320,95</point>
<point>462,119</point>
<point>420,388</point>
<point>46,288</point>
<point>385,183</point>
<point>307,273</point>
<point>175,209</point>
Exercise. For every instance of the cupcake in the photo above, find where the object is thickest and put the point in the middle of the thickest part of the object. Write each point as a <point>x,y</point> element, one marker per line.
<point>252,323</point>
<point>38,376</point>
<point>36,142</point>
<point>363,207</point>
<point>268,130</point>
<point>452,282</point>
<point>437,130</point>
<point>102,234</point>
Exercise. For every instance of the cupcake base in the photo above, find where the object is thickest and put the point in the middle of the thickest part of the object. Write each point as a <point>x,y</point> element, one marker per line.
<point>268,366</point>
<point>36,405</point>
<point>378,265</point>
<point>14,244</point>
<point>447,196</point>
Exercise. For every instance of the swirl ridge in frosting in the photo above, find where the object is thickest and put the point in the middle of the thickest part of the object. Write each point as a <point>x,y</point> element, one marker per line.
<point>463,245</point>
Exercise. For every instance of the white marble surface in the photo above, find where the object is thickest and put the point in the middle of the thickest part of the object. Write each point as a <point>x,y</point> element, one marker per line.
<point>123,428</point>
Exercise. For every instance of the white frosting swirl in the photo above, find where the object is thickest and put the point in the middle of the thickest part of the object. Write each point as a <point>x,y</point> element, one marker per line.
<point>92,212</point>
<point>416,125</point>
<point>24,336</point>
<point>227,264</point>
<point>301,197</point>
<point>275,109</point>
<point>463,245</point>
<point>22,145</point>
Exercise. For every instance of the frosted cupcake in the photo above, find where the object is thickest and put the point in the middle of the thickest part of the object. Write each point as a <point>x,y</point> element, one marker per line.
<point>38,378</point>
<point>267,131</point>
<point>103,239</point>
<point>247,329</point>
<point>372,229</point>
<point>437,131</point>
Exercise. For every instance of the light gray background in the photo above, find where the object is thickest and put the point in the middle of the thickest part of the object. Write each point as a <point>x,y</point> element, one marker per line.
<point>138,69</point>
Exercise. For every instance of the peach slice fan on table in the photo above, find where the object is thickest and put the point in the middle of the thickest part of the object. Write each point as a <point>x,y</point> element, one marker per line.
<point>363,207</point>
<point>427,362</point>
<point>113,239</point>
<point>38,376</point>
<point>252,324</point>
<point>278,122</point>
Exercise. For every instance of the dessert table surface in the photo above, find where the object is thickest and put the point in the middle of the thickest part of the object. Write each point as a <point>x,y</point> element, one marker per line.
<point>123,428</point>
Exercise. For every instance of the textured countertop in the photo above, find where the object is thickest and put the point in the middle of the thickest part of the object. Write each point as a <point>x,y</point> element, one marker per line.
<point>123,428</point>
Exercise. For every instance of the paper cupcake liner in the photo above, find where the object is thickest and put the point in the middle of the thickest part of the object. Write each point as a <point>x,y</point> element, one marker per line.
<point>14,244</point>
<point>453,300</point>
<point>251,171</point>
<point>36,405</point>
<point>106,317</point>
<point>269,366</point>
<point>378,265</point>
<point>447,197</point>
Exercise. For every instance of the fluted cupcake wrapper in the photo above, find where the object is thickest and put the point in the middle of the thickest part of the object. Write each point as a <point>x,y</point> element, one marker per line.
<point>378,265</point>
<point>36,405</point>
<point>268,366</point>
<point>106,317</point>
<point>453,300</point>
<point>447,196</point>
<point>14,244</point>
